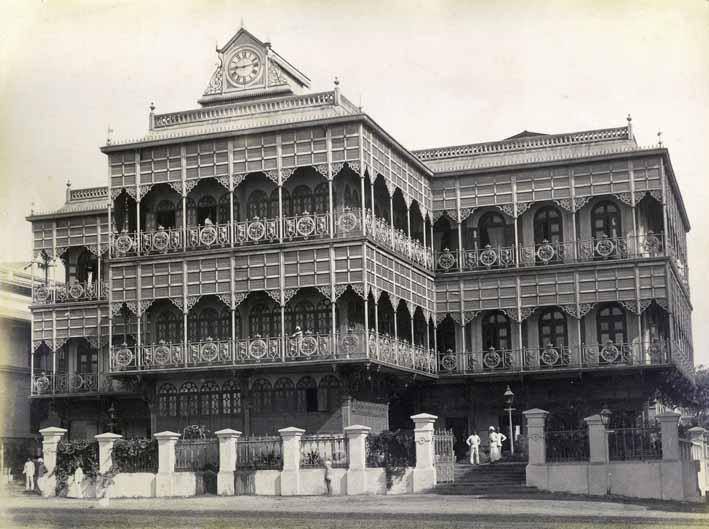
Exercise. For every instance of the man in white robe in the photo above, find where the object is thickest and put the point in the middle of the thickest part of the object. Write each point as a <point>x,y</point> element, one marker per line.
<point>496,440</point>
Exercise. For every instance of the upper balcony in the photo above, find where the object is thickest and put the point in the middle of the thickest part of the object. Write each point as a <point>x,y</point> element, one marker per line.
<point>75,292</point>
<point>47,384</point>
<point>551,253</point>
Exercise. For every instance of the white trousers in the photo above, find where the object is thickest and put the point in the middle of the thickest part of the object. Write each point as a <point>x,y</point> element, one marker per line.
<point>29,482</point>
<point>474,455</point>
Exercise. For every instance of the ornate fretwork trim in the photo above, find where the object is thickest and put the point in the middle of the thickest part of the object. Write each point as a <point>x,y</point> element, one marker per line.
<point>526,312</point>
<point>374,292</point>
<point>570,309</point>
<point>275,295</point>
<point>287,173</point>
<point>288,294</point>
<point>391,188</point>
<point>470,315</point>
<point>326,291</point>
<point>116,308</point>
<point>632,306</point>
<point>440,316</point>
<point>358,288</point>
<point>272,176</point>
<point>522,207</point>
<point>464,213</point>
<point>93,341</point>
<point>226,299</point>
<point>355,167</point>
<point>626,198</point>
<point>190,185</point>
<point>663,304</point>
<point>131,191</point>
<point>215,83</point>
<point>580,202</point>
<point>60,250</point>
<point>176,185</point>
<point>191,302</point>
<point>132,306</point>
<point>143,190</point>
<point>507,209</point>
<point>115,193</point>
<point>322,169</point>
<point>143,306</point>
<point>455,316</point>
<point>339,290</point>
<point>565,203</point>
<point>178,302</point>
<point>585,308</point>
<point>238,178</point>
<point>61,342</point>
<point>224,181</point>
<point>239,298</point>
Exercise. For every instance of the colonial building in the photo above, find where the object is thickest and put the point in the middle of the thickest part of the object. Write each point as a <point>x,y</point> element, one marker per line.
<point>275,258</point>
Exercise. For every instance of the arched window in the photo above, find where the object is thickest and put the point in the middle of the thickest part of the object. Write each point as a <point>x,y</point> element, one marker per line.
<point>304,316</point>
<point>321,198</point>
<point>168,327</point>
<point>323,320</point>
<point>307,395</point>
<point>552,328</point>
<point>492,230</point>
<point>86,358</point>
<point>165,214</point>
<point>189,400</point>
<point>224,324</point>
<point>283,395</point>
<point>209,399</point>
<point>261,391</point>
<point>610,321</point>
<point>167,400</point>
<point>208,323</point>
<point>302,199</point>
<point>231,398</point>
<point>329,393</point>
<point>223,216</point>
<point>86,267</point>
<point>386,318</point>
<point>273,211</point>
<point>264,320</point>
<point>548,226</point>
<point>446,335</point>
<point>605,221</point>
<point>496,331</point>
<point>43,359</point>
<point>191,212</point>
<point>206,209</point>
<point>419,329</point>
<point>257,205</point>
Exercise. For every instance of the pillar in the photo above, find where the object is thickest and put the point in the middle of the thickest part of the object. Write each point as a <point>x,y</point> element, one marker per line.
<point>165,478</point>
<point>105,450</point>
<point>697,437</point>
<point>424,475</point>
<point>670,435</point>
<point>290,475</point>
<point>357,471</point>
<point>599,478</point>
<point>536,471</point>
<point>50,439</point>
<point>228,454</point>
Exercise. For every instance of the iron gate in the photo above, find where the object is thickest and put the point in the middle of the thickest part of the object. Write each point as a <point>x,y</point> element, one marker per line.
<point>443,441</point>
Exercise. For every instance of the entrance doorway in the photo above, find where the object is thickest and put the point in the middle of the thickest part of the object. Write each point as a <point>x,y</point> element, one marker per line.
<point>459,425</point>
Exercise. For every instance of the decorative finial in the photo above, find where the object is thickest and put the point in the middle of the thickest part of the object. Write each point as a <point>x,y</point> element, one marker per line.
<point>68,182</point>
<point>32,208</point>
<point>109,132</point>
<point>630,127</point>
<point>337,81</point>
<point>360,101</point>
<point>242,22</point>
<point>629,118</point>
<point>152,107</point>
<point>659,138</point>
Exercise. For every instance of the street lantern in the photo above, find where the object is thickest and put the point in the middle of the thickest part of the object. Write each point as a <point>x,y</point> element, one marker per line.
<point>605,414</point>
<point>509,399</point>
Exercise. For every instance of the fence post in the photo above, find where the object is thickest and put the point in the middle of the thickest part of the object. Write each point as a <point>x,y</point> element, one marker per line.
<point>227,460</point>
<point>290,475</point>
<point>424,475</point>
<point>165,479</point>
<point>697,437</point>
<point>536,471</point>
<point>50,439</point>
<point>669,435</point>
<point>599,472</point>
<point>105,450</point>
<point>357,471</point>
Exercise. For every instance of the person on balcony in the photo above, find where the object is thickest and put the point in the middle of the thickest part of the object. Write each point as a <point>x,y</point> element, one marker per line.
<point>473,441</point>
<point>496,440</point>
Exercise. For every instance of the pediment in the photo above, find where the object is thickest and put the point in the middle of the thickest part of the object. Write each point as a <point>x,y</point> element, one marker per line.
<point>249,68</point>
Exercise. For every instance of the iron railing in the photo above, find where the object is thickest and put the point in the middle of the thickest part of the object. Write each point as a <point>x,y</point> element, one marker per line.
<point>627,444</point>
<point>305,347</point>
<point>73,292</point>
<point>567,445</point>
<point>260,452</point>
<point>391,449</point>
<point>547,253</point>
<point>315,450</point>
<point>652,353</point>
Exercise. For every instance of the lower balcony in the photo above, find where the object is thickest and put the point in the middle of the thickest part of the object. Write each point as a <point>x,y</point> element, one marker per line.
<point>53,384</point>
<point>550,358</point>
<point>347,347</point>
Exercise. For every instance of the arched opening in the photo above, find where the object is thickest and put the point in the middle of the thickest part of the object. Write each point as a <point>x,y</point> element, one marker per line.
<point>284,396</point>
<point>167,400</point>
<point>605,220</point>
<point>159,208</point>
<point>386,315</point>
<point>190,215</point>
<point>258,205</point>
<point>264,317</point>
<point>261,395</point>
<point>494,231</point>
<point>553,328</point>
<point>548,226</point>
<point>329,394</point>
<point>444,237</point>
<point>124,213</point>
<point>419,327</point>
<point>209,319</point>
<point>417,222</point>
<point>381,199</point>
<point>445,336</point>
<point>611,325</point>
<point>165,214</point>
<point>231,398</point>
<point>496,331</point>
<point>403,322</point>
<point>307,395</point>
<point>400,211</point>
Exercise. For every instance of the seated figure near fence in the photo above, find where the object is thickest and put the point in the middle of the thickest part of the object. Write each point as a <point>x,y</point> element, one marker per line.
<point>76,484</point>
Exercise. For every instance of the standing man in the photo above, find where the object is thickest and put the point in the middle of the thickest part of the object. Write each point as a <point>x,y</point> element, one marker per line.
<point>473,441</point>
<point>496,440</point>
<point>28,470</point>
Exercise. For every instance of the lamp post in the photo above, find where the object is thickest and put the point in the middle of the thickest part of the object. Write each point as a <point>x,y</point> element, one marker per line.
<point>509,399</point>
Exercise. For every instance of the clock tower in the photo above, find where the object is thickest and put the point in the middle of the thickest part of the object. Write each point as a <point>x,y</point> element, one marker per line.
<point>248,69</point>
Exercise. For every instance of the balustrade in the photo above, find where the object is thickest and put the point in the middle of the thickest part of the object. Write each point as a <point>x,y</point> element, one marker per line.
<point>75,291</point>
<point>303,347</point>
<point>382,232</point>
<point>546,253</point>
<point>655,352</point>
<point>57,383</point>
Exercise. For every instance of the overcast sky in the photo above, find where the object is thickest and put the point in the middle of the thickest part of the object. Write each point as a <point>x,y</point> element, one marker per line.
<point>431,73</point>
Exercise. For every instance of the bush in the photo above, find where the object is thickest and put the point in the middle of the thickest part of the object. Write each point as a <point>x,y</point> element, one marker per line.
<point>135,455</point>
<point>71,454</point>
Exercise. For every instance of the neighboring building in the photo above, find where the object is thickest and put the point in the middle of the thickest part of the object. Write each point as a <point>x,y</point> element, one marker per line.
<point>16,428</point>
<point>273,251</point>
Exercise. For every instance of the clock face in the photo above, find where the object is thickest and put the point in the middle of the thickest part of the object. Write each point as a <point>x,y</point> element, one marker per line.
<point>244,66</point>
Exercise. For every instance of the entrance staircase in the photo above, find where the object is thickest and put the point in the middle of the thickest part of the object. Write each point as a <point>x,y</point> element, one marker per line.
<point>487,479</point>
